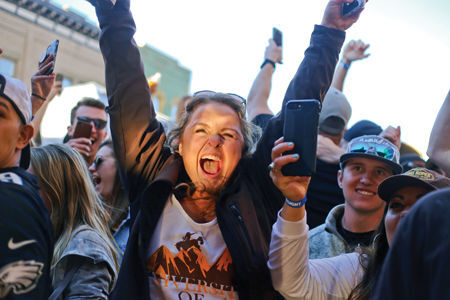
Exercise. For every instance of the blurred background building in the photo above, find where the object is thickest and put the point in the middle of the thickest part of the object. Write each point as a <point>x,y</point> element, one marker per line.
<point>27,27</point>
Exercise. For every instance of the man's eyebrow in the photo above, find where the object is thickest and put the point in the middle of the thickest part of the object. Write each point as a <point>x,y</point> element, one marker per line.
<point>4,105</point>
<point>384,168</point>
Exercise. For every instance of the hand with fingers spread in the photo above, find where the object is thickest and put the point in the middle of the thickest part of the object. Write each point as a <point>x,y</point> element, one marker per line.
<point>355,50</point>
<point>333,15</point>
<point>41,84</point>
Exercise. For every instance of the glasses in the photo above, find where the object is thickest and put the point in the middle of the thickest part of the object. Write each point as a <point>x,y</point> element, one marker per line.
<point>383,151</point>
<point>98,123</point>
<point>98,161</point>
<point>212,93</point>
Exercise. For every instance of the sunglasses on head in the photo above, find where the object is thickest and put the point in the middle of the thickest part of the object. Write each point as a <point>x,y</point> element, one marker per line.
<point>98,123</point>
<point>212,93</point>
<point>384,151</point>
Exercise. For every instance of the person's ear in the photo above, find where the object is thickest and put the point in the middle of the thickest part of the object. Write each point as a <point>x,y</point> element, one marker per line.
<point>70,129</point>
<point>25,134</point>
<point>104,135</point>
<point>339,178</point>
<point>180,148</point>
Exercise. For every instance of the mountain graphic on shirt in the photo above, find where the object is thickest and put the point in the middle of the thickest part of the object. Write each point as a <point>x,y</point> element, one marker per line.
<point>191,263</point>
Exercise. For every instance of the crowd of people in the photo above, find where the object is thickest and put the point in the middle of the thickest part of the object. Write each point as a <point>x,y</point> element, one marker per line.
<point>201,209</point>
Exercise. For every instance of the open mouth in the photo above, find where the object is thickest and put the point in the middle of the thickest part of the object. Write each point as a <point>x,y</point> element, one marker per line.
<point>96,180</point>
<point>210,164</point>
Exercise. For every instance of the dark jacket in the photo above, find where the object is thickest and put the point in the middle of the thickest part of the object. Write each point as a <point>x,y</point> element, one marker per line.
<point>246,208</point>
<point>26,237</point>
<point>417,265</point>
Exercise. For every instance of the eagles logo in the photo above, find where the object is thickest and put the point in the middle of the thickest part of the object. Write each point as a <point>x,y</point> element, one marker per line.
<point>20,277</point>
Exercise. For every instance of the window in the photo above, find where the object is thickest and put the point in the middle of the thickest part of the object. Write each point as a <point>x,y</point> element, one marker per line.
<point>7,66</point>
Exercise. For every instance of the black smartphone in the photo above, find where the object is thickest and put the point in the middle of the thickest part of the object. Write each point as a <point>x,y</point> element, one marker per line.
<point>301,122</point>
<point>82,129</point>
<point>351,8</point>
<point>277,36</point>
<point>51,49</point>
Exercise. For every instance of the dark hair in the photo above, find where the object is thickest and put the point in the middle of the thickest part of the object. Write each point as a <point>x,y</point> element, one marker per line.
<point>86,101</point>
<point>119,203</point>
<point>248,129</point>
<point>372,260</point>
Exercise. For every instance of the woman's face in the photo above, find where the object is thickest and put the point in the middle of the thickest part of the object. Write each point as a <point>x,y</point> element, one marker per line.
<point>211,145</point>
<point>399,205</point>
<point>103,171</point>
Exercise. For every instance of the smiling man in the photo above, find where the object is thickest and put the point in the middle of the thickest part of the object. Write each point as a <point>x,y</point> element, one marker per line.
<point>367,161</point>
<point>92,111</point>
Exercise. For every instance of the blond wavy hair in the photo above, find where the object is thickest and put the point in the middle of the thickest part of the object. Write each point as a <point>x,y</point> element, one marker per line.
<point>65,180</point>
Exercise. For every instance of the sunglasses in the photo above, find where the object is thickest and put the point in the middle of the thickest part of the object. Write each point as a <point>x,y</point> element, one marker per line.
<point>98,123</point>
<point>383,151</point>
<point>98,161</point>
<point>212,93</point>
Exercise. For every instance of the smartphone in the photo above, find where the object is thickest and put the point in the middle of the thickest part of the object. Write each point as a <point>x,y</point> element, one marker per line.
<point>82,129</point>
<point>301,122</point>
<point>51,49</point>
<point>351,8</point>
<point>277,36</point>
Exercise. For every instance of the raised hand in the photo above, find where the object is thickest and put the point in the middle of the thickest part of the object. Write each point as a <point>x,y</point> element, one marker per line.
<point>41,84</point>
<point>392,134</point>
<point>273,52</point>
<point>333,18</point>
<point>355,50</point>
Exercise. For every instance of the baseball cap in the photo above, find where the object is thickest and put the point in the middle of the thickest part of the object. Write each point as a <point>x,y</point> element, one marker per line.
<point>420,177</point>
<point>15,91</point>
<point>336,111</point>
<point>411,161</point>
<point>373,147</point>
<point>363,127</point>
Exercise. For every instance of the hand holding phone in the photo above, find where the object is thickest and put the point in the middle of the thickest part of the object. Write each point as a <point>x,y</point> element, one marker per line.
<point>51,49</point>
<point>277,37</point>
<point>301,122</point>
<point>352,8</point>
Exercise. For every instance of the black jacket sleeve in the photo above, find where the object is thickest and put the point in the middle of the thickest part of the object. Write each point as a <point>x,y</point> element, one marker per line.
<point>311,81</point>
<point>137,135</point>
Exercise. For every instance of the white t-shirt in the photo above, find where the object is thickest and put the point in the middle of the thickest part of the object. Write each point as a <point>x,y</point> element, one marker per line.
<point>188,260</point>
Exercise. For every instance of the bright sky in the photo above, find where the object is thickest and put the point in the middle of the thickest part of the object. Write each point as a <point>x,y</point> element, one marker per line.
<point>403,82</point>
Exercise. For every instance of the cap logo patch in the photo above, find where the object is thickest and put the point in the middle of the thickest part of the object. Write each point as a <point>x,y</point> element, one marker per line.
<point>421,174</point>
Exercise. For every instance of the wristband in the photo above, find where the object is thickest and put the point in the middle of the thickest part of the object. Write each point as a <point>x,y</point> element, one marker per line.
<point>346,66</point>
<point>268,61</point>
<point>296,204</point>
<point>37,96</point>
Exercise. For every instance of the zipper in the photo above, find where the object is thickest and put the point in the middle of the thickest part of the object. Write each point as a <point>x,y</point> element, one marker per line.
<point>247,241</point>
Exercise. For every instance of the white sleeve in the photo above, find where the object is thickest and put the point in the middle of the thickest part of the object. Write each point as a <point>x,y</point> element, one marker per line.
<point>297,277</point>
